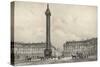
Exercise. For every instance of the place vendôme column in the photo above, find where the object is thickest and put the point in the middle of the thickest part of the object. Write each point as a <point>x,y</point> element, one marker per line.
<point>48,51</point>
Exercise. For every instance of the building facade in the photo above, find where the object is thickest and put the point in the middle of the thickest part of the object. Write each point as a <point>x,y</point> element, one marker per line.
<point>25,52</point>
<point>28,51</point>
<point>86,47</point>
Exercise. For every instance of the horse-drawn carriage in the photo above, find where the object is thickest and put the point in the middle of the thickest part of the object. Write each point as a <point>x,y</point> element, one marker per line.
<point>79,55</point>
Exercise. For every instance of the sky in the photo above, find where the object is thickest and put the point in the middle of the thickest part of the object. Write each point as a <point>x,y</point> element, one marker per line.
<point>68,22</point>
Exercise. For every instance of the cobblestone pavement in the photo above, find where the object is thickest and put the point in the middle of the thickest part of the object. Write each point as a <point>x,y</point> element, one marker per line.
<point>52,61</point>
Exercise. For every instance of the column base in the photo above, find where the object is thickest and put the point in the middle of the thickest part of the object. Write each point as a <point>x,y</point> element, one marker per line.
<point>47,53</point>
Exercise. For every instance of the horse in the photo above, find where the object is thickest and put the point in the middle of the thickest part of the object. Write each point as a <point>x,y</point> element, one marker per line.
<point>74,56</point>
<point>28,58</point>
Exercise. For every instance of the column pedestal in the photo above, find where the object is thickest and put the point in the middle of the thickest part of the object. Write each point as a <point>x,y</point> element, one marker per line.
<point>48,53</point>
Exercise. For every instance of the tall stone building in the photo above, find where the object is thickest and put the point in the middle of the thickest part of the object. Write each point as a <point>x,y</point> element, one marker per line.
<point>34,51</point>
<point>86,47</point>
<point>23,51</point>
